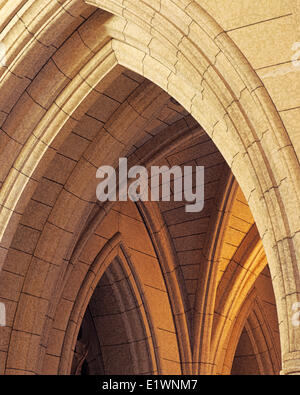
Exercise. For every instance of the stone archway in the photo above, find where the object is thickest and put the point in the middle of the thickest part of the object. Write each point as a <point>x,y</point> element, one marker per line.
<point>186,53</point>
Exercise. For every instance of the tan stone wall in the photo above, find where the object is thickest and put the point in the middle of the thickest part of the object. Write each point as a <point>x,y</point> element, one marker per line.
<point>85,83</point>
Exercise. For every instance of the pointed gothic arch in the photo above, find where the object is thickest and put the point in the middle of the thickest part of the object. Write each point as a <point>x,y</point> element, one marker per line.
<point>188,55</point>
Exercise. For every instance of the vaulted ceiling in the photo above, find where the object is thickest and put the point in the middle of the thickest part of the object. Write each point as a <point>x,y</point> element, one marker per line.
<point>184,292</point>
